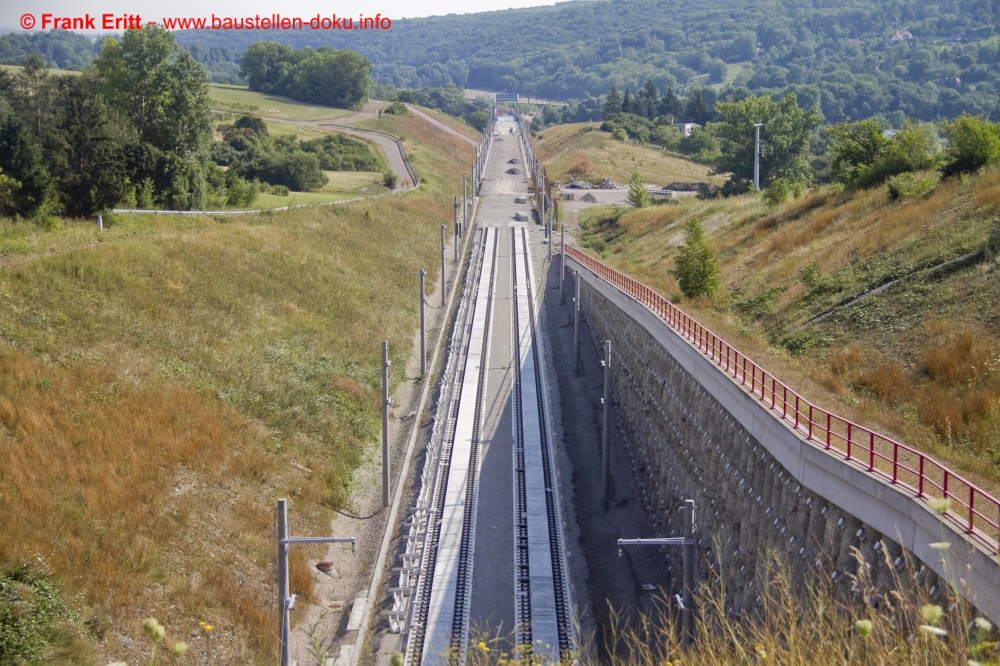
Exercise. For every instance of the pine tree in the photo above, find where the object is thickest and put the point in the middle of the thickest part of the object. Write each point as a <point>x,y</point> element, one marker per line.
<point>697,269</point>
<point>612,102</point>
<point>627,102</point>
<point>637,194</point>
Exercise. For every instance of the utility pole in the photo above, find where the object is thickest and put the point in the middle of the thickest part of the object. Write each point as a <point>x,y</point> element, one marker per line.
<point>465,204</point>
<point>605,457</point>
<point>562,262</point>
<point>442,265</point>
<point>285,602</point>
<point>576,323</point>
<point>687,543</point>
<point>456,216</point>
<point>756,156</point>
<point>386,401</point>
<point>423,330</point>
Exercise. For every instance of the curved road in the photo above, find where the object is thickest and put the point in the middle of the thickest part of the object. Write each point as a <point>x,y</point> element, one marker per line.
<point>391,146</point>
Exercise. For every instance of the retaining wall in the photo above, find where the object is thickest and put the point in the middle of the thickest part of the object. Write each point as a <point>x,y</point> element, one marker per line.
<point>763,492</point>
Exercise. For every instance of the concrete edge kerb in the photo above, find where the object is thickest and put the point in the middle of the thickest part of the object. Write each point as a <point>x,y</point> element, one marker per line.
<point>890,509</point>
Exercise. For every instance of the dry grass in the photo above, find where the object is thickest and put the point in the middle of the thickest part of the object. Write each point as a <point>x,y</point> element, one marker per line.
<point>883,361</point>
<point>570,152</point>
<point>162,383</point>
<point>798,620</point>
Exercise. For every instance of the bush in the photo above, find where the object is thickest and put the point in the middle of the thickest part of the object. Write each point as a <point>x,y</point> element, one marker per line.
<point>974,142</point>
<point>619,134</point>
<point>31,612</point>
<point>777,192</point>
<point>906,184</point>
<point>397,108</point>
<point>637,194</point>
<point>389,179</point>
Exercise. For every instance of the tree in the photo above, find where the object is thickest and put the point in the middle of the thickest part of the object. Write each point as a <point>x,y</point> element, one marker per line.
<point>612,102</point>
<point>87,155</point>
<point>158,87</point>
<point>627,102</point>
<point>21,161</point>
<point>648,100</point>
<point>697,270</point>
<point>265,64</point>
<point>786,134</point>
<point>856,148</point>
<point>696,110</point>
<point>671,105</point>
<point>974,142</point>
<point>34,98</point>
<point>637,194</point>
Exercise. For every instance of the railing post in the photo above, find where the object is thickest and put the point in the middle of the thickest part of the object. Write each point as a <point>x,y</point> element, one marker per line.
<point>871,451</point>
<point>849,425</point>
<point>920,480</point>
<point>810,421</point>
<point>895,462</point>
<point>972,506</point>
<point>828,430</point>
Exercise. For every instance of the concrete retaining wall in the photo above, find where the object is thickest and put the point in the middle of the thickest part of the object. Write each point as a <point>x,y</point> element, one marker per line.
<point>763,492</point>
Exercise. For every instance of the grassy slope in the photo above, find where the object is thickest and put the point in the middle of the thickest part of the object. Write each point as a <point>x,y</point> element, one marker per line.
<point>242,100</point>
<point>570,152</point>
<point>920,359</point>
<point>162,383</point>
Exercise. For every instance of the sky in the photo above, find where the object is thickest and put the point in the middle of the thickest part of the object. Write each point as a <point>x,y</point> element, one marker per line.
<point>14,12</point>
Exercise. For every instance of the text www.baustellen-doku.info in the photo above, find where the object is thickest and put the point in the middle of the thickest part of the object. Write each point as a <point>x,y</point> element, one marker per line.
<point>48,21</point>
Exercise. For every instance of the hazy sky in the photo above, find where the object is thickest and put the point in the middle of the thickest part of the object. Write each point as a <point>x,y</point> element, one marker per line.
<point>12,11</point>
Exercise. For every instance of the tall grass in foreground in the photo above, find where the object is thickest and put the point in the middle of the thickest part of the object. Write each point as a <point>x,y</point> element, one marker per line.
<point>795,622</point>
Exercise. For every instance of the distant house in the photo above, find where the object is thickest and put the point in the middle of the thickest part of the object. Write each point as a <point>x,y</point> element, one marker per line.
<point>902,35</point>
<point>856,42</point>
<point>685,128</point>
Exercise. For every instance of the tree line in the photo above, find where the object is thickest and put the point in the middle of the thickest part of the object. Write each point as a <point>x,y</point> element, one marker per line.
<point>135,128</point>
<point>322,76</point>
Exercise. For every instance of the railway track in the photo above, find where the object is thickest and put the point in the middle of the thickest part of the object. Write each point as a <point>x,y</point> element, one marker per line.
<point>438,570</point>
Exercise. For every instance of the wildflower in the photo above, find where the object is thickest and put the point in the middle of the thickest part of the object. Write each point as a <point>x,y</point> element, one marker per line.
<point>180,647</point>
<point>154,629</point>
<point>940,505</point>
<point>983,624</point>
<point>205,626</point>
<point>864,628</point>
<point>931,613</point>
<point>759,649</point>
<point>940,545</point>
<point>483,646</point>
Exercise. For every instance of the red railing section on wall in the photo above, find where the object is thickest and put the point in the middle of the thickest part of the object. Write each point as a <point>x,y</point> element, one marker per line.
<point>972,509</point>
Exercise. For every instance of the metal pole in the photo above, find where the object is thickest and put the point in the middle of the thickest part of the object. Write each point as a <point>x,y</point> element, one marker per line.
<point>283,646</point>
<point>688,555</point>
<point>442,265</point>
<point>457,232</point>
<point>605,458</point>
<point>423,330</point>
<point>385,423</point>
<point>465,205</point>
<point>756,157</point>
<point>576,323</point>
<point>562,263</point>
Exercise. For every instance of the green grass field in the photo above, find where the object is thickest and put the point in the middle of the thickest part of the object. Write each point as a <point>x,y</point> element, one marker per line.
<point>241,100</point>
<point>14,69</point>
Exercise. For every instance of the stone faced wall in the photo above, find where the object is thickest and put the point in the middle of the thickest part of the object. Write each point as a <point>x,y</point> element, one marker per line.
<point>752,511</point>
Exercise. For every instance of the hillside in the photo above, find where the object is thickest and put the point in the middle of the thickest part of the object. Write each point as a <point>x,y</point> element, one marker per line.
<point>164,381</point>
<point>884,312</point>
<point>578,150</point>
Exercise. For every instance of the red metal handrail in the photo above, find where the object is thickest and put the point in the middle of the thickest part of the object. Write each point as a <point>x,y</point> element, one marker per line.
<point>972,509</point>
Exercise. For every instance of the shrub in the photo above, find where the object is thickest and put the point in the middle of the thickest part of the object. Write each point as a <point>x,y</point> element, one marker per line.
<point>697,270</point>
<point>619,134</point>
<point>389,179</point>
<point>777,192</point>
<point>637,194</point>
<point>31,611</point>
<point>397,108</point>
<point>906,185</point>
<point>974,142</point>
